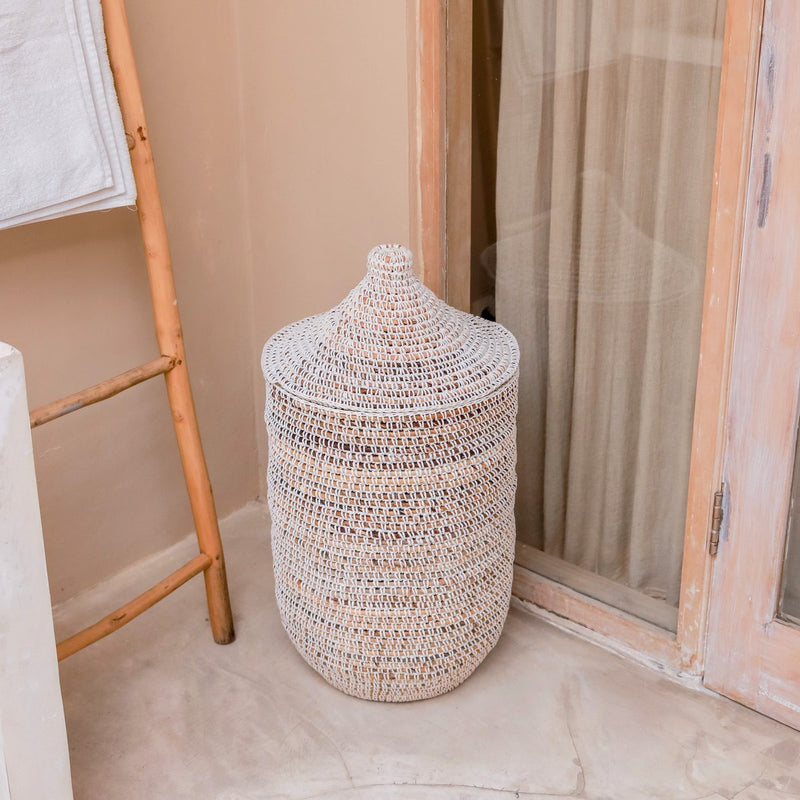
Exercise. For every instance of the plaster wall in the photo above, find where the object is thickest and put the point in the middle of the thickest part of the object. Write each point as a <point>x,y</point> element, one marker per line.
<point>280,132</point>
<point>325,122</point>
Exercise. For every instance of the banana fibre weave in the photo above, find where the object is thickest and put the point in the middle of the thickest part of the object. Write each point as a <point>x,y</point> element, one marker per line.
<point>392,449</point>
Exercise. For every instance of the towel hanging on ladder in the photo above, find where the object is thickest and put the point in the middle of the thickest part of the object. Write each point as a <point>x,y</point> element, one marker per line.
<point>62,145</point>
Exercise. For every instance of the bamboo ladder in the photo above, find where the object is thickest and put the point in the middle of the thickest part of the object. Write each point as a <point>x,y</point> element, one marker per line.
<point>171,364</point>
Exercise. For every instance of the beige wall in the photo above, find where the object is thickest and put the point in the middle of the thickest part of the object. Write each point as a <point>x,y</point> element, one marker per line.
<point>74,300</point>
<point>326,136</point>
<point>280,131</point>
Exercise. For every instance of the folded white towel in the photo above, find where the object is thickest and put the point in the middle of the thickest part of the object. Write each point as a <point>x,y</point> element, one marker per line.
<point>62,145</point>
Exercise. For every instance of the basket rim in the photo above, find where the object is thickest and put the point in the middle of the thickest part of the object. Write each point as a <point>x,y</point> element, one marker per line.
<point>382,413</point>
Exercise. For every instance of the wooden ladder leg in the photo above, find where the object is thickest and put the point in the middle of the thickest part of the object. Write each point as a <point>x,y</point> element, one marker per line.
<point>167,317</point>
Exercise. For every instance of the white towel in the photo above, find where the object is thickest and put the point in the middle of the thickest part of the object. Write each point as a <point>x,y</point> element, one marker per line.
<point>62,145</point>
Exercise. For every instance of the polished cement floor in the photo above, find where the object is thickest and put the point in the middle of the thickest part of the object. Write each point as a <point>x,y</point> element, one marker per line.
<point>159,712</point>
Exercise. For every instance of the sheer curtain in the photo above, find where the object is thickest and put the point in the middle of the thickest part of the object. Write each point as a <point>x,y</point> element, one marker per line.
<point>605,166</point>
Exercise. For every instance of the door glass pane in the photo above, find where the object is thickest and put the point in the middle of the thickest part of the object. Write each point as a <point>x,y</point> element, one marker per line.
<point>593,148</point>
<point>789,606</point>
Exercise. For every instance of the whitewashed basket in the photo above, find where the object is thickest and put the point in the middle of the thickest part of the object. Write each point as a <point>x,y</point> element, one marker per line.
<point>392,450</point>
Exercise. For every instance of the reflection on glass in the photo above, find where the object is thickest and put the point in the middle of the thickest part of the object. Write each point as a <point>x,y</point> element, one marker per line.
<point>604,160</point>
<point>789,607</point>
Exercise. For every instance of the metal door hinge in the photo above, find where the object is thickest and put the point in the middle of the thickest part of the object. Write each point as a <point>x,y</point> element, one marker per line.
<point>716,521</point>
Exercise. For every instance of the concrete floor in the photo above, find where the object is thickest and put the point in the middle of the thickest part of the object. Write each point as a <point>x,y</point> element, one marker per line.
<point>159,712</point>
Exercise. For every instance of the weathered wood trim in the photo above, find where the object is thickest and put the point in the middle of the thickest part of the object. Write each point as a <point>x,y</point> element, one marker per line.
<point>440,136</point>
<point>426,21</point>
<point>731,165</point>
<point>752,656</point>
<point>458,154</point>
<point>636,604</point>
<point>655,643</point>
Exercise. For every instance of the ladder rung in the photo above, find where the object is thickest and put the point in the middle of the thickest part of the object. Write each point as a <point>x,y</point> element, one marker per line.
<point>124,614</point>
<point>102,391</point>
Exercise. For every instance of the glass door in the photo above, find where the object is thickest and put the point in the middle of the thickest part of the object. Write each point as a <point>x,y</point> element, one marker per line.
<point>593,142</point>
<point>754,637</point>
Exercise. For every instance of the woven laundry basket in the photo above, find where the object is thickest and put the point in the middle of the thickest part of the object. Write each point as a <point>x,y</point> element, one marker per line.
<point>392,452</point>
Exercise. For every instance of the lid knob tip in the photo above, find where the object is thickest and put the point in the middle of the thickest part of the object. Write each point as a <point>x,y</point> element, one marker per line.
<point>390,258</point>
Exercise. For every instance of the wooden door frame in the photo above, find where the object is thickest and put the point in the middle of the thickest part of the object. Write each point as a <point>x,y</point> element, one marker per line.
<point>762,670</point>
<point>440,136</point>
<point>440,58</point>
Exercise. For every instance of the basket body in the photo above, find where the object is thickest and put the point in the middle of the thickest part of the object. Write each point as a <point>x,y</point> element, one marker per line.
<point>392,498</point>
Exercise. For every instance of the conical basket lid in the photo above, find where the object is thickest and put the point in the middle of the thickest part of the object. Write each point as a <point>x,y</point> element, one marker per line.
<point>391,346</point>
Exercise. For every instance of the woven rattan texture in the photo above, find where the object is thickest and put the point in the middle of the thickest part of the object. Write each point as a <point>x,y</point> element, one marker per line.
<point>392,433</point>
